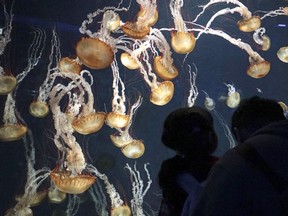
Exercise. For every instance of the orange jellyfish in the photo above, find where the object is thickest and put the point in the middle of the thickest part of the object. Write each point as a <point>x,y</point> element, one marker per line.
<point>7,84</point>
<point>134,150</point>
<point>266,44</point>
<point>117,118</point>
<point>282,54</point>
<point>250,24</point>
<point>12,132</point>
<point>128,61</point>
<point>145,18</point>
<point>39,109</point>
<point>89,124</point>
<point>122,210</point>
<point>162,93</point>
<point>182,41</point>
<point>66,182</point>
<point>233,98</point>
<point>163,65</point>
<point>94,53</point>
<point>258,69</point>
<point>69,65</point>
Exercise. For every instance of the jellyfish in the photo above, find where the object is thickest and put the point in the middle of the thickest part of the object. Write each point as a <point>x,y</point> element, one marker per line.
<point>182,40</point>
<point>146,17</point>
<point>134,149</point>
<point>118,117</point>
<point>163,64</point>
<point>193,92</point>
<point>284,107</point>
<point>69,65</point>
<point>123,137</point>
<point>55,195</point>
<point>209,102</point>
<point>138,190</point>
<point>282,54</point>
<point>7,82</point>
<point>233,98</point>
<point>262,39</point>
<point>13,128</point>
<point>39,108</point>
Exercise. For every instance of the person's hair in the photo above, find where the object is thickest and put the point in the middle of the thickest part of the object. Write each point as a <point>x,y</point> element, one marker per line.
<point>189,131</point>
<point>254,113</point>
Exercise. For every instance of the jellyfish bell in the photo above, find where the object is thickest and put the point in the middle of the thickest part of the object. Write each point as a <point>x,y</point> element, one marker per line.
<point>162,71</point>
<point>183,42</point>
<point>284,108</point>
<point>66,182</point>
<point>39,109</point>
<point>120,141</point>
<point>259,69</point>
<point>128,61</point>
<point>90,123</point>
<point>209,103</point>
<point>7,84</point>
<point>250,24</point>
<point>94,53</point>
<point>55,195</point>
<point>233,99</point>
<point>266,43</point>
<point>69,65</point>
<point>152,20</point>
<point>131,29</point>
<point>113,20</point>
<point>117,120</point>
<point>134,149</point>
<point>282,54</point>
<point>12,132</point>
<point>122,210</point>
<point>162,93</point>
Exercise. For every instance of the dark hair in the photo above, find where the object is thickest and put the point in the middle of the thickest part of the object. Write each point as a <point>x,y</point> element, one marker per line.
<point>255,112</point>
<point>190,131</point>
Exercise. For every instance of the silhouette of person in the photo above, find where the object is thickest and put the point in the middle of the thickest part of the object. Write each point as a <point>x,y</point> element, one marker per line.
<point>190,133</point>
<point>236,185</point>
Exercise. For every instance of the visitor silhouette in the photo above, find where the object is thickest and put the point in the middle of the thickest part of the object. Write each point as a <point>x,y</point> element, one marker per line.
<point>189,132</point>
<point>251,178</point>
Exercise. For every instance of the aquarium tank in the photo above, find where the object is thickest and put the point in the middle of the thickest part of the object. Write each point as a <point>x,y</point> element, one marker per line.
<point>85,87</point>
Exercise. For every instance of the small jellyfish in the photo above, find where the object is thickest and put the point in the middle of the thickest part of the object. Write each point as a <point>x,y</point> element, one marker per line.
<point>69,65</point>
<point>134,150</point>
<point>7,84</point>
<point>284,107</point>
<point>233,98</point>
<point>282,54</point>
<point>122,210</point>
<point>162,93</point>
<point>249,25</point>
<point>39,109</point>
<point>258,69</point>
<point>209,102</point>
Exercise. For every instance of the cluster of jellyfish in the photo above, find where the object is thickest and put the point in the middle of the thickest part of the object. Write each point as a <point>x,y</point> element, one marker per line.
<point>142,48</point>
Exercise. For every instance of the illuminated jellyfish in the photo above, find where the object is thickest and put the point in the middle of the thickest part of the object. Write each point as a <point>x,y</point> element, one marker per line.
<point>117,118</point>
<point>233,98</point>
<point>134,149</point>
<point>7,82</point>
<point>97,50</point>
<point>262,39</point>
<point>13,128</point>
<point>146,17</point>
<point>68,176</point>
<point>6,30</point>
<point>182,40</point>
<point>138,190</point>
<point>69,65</point>
<point>39,107</point>
<point>117,205</point>
<point>209,102</point>
<point>258,67</point>
<point>163,64</point>
<point>249,23</point>
<point>55,195</point>
<point>193,92</point>
<point>123,137</point>
<point>282,54</point>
